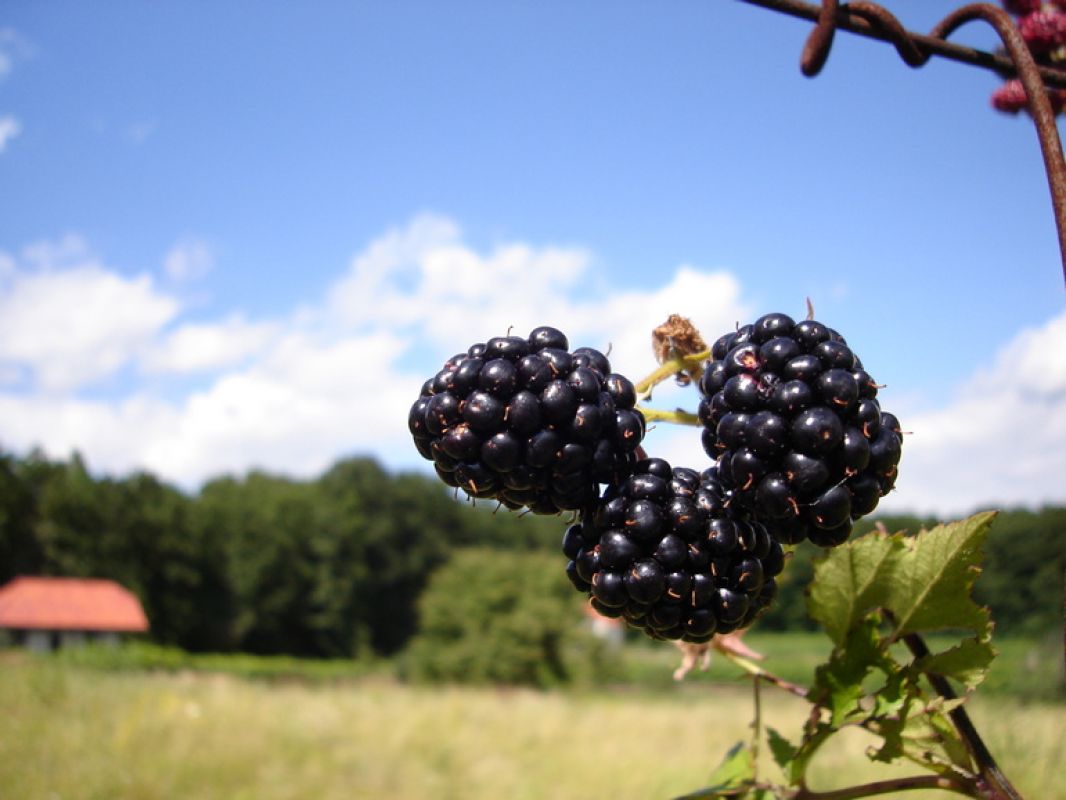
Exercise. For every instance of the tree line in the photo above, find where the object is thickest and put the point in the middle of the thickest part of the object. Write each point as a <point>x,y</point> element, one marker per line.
<point>335,566</point>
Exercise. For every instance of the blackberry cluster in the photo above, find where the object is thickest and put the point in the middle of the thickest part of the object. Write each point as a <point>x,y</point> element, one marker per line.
<point>528,423</point>
<point>663,550</point>
<point>793,421</point>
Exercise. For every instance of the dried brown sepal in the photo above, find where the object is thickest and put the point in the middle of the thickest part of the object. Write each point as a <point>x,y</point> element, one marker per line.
<point>693,655</point>
<point>677,337</point>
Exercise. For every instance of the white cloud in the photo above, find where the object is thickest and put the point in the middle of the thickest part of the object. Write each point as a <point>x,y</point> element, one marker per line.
<point>188,260</point>
<point>295,411</point>
<point>73,325</point>
<point>113,436</point>
<point>209,346</point>
<point>1000,441</point>
<point>424,279</point>
<point>12,47</point>
<point>67,251</point>
<point>9,129</point>
<point>304,405</point>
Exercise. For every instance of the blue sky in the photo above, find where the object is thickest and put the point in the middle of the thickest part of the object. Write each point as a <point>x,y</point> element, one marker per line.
<point>239,234</point>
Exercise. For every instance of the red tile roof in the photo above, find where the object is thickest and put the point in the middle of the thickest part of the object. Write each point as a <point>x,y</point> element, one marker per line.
<point>70,604</point>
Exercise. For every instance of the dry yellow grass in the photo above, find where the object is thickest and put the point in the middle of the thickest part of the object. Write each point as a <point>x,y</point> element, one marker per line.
<point>69,733</point>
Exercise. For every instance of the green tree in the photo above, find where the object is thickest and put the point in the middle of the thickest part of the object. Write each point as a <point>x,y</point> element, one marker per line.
<point>393,531</point>
<point>1024,569</point>
<point>491,616</point>
<point>20,553</point>
<point>271,534</point>
<point>156,551</point>
<point>71,522</point>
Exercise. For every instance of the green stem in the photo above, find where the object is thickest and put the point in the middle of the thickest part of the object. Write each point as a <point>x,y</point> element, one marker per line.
<point>756,724</point>
<point>769,677</point>
<point>671,367</point>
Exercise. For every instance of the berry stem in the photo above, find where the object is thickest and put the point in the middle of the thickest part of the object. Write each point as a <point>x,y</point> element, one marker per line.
<point>672,366</point>
<point>756,723</point>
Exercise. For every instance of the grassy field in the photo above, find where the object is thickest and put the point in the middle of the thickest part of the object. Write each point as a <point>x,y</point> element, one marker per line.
<point>71,732</point>
<point>1027,669</point>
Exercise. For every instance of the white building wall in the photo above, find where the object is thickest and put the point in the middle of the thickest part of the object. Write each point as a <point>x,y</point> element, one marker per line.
<point>72,638</point>
<point>39,641</point>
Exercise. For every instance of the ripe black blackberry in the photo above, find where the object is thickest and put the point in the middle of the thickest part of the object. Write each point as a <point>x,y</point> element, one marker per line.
<point>793,421</point>
<point>529,423</point>
<point>662,550</point>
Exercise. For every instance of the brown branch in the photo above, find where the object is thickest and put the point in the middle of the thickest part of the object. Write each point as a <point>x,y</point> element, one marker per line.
<point>890,786</point>
<point>854,23</point>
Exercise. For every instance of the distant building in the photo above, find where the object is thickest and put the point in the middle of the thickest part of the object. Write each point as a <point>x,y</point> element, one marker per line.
<point>46,613</point>
<point>610,629</point>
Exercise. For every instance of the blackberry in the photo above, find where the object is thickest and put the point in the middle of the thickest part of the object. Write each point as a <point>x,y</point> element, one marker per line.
<point>663,550</point>
<point>528,423</point>
<point>792,419</point>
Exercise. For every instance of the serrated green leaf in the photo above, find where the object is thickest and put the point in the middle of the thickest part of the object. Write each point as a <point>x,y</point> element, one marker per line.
<point>924,580</point>
<point>931,739</point>
<point>891,699</point>
<point>891,733</point>
<point>732,778</point>
<point>930,584</point>
<point>781,748</point>
<point>839,682</point>
<point>899,696</point>
<point>967,662</point>
<point>949,741</point>
<point>850,581</point>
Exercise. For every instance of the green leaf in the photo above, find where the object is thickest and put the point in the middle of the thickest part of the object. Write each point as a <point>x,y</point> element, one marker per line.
<point>850,581</point>
<point>838,683</point>
<point>891,699</point>
<point>931,739</point>
<point>781,748</point>
<point>897,700</point>
<point>929,585</point>
<point>732,778</point>
<point>949,741</point>
<point>966,663</point>
<point>924,580</point>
